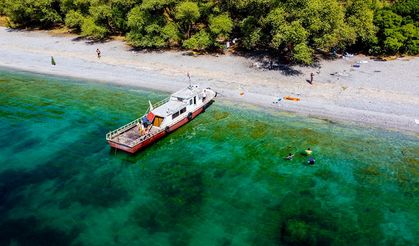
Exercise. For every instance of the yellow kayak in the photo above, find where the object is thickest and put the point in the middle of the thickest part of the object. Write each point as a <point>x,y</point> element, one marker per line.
<point>296,99</point>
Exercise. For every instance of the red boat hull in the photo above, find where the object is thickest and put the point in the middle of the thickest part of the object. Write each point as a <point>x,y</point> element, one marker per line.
<point>156,137</point>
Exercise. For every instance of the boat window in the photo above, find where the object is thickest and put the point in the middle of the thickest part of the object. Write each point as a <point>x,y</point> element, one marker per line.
<point>175,115</point>
<point>157,121</point>
<point>190,102</point>
<point>194,100</point>
<point>183,110</point>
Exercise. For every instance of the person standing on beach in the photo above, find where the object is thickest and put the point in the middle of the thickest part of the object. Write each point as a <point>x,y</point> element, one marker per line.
<point>98,53</point>
<point>311,78</point>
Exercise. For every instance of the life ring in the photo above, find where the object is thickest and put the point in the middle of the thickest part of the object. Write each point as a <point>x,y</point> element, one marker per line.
<point>167,129</point>
<point>190,116</point>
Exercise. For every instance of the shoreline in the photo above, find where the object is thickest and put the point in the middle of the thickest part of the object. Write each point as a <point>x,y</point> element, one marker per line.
<point>235,102</point>
<point>378,94</point>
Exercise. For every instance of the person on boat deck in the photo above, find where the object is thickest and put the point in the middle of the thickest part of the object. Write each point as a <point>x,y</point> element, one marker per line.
<point>308,151</point>
<point>311,161</point>
<point>149,128</point>
<point>141,129</point>
<point>290,156</point>
<point>204,96</point>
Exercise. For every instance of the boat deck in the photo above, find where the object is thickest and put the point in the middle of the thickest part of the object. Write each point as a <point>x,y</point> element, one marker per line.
<point>128,136</point>
<point>132,135</point>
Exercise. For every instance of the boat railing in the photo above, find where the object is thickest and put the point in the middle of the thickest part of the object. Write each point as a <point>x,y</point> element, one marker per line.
<point>122,129</point>
<point>158,104</point>
<point>145,137</point>
<point>150,135</point>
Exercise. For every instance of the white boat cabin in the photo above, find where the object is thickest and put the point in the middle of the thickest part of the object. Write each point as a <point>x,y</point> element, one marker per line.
<point>176,107</point>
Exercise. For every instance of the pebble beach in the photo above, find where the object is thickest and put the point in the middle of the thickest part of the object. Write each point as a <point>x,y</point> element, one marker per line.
<point>376,93</point>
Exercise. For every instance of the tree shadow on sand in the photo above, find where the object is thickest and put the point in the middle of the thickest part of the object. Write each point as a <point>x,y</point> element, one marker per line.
<point>265,60</point>
<point>90,41</point>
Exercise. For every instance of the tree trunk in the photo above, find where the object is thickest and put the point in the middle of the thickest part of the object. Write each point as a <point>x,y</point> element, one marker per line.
<point>189,31</point>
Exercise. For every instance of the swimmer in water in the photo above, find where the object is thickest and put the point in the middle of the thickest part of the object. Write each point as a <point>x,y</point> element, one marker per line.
<point>289,157</point>
<point>311,161</point>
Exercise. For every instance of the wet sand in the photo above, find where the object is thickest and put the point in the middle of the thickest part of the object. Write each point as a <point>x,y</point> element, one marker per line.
<point>381,94</point>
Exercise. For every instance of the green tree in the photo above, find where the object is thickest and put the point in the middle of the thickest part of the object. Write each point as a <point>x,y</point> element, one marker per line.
<point>291,37</point>
<point>153,5</point>
<point>386,19</point>
<point>396,35</point>
<point>81,6</point>
<point>393,42</point>
<point>290,28</point>
<point>411,42</point>
<point>251,32</point>
<point>199,41</point>
<point>361,19</point>
<point>407,8</point>
<point>221,25</point>
<point>30,13</point>
<point>74,20</point>
<point>90,29</point>
<point>137,19</point>
<point>171,34</point>
<point>325,21</point>
<point>301,53</point>
<point>2,7</point>
<point>146,31</point>
<point>119,13</point>
<point>102,15</point>
<point>289,34</point>
<point>249,7</point>
<point>187,13</point>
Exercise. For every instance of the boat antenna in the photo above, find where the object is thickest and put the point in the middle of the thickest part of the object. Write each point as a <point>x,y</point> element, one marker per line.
<point>189,76</point>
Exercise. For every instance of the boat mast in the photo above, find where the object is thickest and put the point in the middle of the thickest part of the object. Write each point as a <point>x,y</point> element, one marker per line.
<point>189,76</point>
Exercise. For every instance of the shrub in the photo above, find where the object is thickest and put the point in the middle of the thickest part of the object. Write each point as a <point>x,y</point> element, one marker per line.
<point>74,20</point>
<point>199,41</point>
<point>90,29</point>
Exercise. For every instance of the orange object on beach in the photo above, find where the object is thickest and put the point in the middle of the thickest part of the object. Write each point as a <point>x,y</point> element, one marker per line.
<point>292,98</point>
<point>241,93</point>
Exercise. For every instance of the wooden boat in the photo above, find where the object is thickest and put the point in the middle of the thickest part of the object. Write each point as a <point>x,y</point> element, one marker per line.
<point>161,119</point>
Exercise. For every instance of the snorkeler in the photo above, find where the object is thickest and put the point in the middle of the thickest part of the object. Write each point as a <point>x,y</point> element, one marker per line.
<point>289,157</point>
<point>308,151</point>
<point>311,161</point>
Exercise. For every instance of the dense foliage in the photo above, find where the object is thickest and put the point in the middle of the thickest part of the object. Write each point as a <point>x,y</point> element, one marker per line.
<point>294,29</point>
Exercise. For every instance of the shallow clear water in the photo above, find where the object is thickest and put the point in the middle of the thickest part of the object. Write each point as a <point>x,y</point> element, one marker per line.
<point>219,180</point>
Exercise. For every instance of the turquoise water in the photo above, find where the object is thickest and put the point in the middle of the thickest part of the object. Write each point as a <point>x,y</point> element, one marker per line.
<point>220,180</point>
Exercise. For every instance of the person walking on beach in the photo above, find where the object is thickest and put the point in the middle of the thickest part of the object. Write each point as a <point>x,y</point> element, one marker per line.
<point>98,53</point>
<point>311,78</point>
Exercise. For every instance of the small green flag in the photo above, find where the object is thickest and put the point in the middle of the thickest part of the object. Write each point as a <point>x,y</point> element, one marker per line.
<point>53,61</point>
